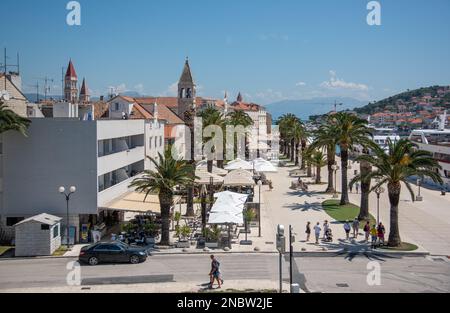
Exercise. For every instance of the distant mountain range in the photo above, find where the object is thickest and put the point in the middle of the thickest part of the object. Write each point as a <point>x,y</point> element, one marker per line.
<point>315,106</point>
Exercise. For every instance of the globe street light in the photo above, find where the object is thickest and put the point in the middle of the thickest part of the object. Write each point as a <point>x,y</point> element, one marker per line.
<point>379,190</point>
<point>335,168</point>
<point>419,197</point>
<point>62,191</point>
<point>259,213</point>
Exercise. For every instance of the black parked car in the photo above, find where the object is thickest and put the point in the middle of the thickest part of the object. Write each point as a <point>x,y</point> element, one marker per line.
<point>112,252</point>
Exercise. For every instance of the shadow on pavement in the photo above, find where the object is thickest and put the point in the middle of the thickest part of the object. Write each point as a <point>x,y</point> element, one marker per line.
<point>316,206</point>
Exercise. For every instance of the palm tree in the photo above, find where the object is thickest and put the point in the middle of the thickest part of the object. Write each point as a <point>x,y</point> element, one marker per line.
<point>9,120</point>
<point>212,117</point>
<point>324,138</point>
<point>298,133</point>
<point>168,174</point>
<point>350,131</point>
<point>318,159</point>
<point>365,169</point>
<point>286,123</point>
<point>402,161</point>
<point>239,118</point>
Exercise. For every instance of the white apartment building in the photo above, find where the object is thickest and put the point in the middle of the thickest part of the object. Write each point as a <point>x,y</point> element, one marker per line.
<point>101,158</point>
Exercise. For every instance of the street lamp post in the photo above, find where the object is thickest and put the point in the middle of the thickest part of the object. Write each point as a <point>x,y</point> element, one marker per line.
<point>419,196</point>
<point>62,191</point>
<point>260,204</point>
<point>379,190</point>
<point>335,168</point>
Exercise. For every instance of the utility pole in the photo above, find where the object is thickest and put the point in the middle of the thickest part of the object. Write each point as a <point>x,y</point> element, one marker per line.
<point>291,253</point>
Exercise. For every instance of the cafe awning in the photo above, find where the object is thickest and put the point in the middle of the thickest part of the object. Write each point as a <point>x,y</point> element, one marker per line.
<point>134,202</point>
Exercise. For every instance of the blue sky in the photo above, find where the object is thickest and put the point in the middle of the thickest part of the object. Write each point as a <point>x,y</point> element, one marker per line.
<point>270,50</point>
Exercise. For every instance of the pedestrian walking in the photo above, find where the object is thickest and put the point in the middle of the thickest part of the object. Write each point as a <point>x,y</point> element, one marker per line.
<point>374,235</point>
<point>347,229</point>
<point>357,188</point>
<point>308,231</point>
<point>317,231</point>
<point>381,231</point>
<point>350,187</point>
<point>215,274</point>
<point>355,226</point>
<point>326,227</point>
<point>367,231</point>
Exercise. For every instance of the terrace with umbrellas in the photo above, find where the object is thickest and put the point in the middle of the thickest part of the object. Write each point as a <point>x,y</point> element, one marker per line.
<point>227,205</point>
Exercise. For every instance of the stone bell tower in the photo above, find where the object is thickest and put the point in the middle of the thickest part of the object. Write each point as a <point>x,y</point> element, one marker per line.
<point>186,91</point>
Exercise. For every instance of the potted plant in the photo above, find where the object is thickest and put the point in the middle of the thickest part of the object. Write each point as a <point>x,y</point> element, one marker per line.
<point>183,233</point>
<point>212,237</point>
<point>152,231</point>
<point>177,218</point>
<point>249,215</point>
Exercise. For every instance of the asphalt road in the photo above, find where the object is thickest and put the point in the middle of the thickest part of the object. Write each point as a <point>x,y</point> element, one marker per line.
<point>345,273</point>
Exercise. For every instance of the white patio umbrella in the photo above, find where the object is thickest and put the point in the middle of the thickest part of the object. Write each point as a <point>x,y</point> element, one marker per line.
<point>228,200</point>
<point>204,178</point>
<point>202,165</point>
<point>239,178</point>
<point>264,166</point>
<point>239,164</point>
<point>226,218</point>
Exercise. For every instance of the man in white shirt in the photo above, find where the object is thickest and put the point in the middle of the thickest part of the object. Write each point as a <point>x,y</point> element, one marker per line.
<point>317,231</point>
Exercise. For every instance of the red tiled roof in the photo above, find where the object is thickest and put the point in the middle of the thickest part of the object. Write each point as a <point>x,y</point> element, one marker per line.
<point>140,113</point>
<point>71,71</point>
<point>243,106</point>
<point>164,113</point>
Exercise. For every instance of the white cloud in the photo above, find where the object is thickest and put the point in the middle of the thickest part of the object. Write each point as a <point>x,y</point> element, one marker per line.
<point>337,83</point>
<point>300,84</point>
<point>272,36</point>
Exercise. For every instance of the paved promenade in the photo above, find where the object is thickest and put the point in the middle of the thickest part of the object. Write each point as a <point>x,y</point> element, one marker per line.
<point>426,224</point>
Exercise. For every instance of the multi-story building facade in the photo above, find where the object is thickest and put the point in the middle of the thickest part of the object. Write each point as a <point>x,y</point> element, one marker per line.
<point>100,158</point>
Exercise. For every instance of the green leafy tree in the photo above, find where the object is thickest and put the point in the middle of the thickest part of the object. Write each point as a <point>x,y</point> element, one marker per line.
<point>168,174</point>
<point>350,131</point>
<point>9,120</point>
<point>402,161</point>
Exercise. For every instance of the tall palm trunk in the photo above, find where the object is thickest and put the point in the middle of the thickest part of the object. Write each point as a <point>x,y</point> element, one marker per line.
<point>344,169</point>
<point>292,150</point>
<point>394,198</point>
<point>209,164</point>
<point>303,165</point>
<point>365,169</point>
<point>330,162</point>
<point>318,174</point>
<point>288,148</point>
<point>297,153</point>
<point>309,169</point>
<point>165,200</point>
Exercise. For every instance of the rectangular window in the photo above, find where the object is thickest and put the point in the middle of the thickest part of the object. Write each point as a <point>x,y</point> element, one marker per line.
<point>11,221</point>
<point>150,142</point>
<point>45,227</point>
<point>116,106</point>
<point>1,148</point>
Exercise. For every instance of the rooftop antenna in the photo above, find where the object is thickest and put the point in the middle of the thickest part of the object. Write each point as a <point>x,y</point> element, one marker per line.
<point>62,84</point>
<point>46,80</point>
<point>37,90</point>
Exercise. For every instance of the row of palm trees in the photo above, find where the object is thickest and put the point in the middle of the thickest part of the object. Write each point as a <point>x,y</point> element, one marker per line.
<point>170,173</point>
<point>402,161</point>
<point>213,117</point>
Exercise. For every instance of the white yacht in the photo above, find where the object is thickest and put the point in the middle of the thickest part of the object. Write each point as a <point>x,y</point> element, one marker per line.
<point>381,136</point>
<point>436,141</point>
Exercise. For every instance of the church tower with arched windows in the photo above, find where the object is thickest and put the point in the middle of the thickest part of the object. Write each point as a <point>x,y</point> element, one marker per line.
<point>70,84</point>
<point>186,91</point>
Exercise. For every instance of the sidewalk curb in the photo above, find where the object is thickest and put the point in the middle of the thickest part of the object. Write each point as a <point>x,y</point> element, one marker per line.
<point>295,254</point>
